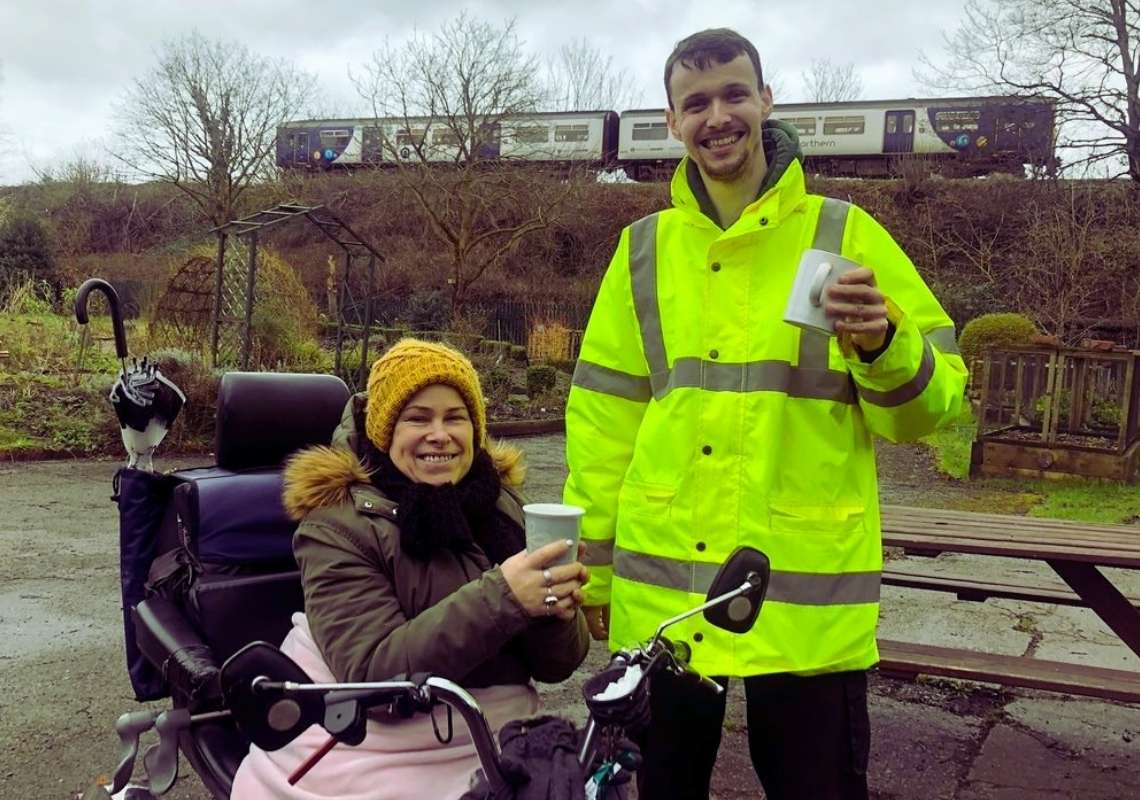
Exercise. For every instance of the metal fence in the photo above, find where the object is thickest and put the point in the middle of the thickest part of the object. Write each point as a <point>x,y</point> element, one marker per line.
<point>507,320</point>
<point>512,321</point>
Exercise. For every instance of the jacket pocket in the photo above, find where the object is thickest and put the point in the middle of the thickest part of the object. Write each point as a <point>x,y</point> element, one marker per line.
<point>817,538</point>
<point>833,520</point>
<point>646,499</point>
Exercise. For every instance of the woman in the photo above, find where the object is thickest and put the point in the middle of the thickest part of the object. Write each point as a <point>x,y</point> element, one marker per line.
<point>412,558</point>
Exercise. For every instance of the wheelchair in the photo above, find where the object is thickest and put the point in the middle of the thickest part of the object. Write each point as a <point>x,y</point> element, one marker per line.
<point>207,567</point>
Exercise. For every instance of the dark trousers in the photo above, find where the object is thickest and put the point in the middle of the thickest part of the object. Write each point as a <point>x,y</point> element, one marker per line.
<point>809,738</point>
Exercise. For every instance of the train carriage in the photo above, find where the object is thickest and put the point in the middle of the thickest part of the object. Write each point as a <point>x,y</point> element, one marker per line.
<point>963,136</point>
<point>569,137</point>
<point>959,136</point>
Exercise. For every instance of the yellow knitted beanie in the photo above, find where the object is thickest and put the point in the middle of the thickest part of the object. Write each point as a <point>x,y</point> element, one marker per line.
<point>408,366</point>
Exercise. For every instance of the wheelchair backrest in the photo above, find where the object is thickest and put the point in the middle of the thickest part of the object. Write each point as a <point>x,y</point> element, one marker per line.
<point>217,541</point>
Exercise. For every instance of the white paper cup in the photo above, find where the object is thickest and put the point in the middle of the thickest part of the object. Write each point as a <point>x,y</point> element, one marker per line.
<point>817,271</point>
<point>552,522</point>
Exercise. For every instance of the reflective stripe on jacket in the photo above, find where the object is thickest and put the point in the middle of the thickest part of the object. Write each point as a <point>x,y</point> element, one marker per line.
<point>699,421</point>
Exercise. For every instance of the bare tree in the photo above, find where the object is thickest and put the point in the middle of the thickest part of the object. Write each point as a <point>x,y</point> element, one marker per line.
<point>825,82</point>
<point>1084,54</point>
<point>446,104</point>
<point>204,119</point>
<point>581,78</point>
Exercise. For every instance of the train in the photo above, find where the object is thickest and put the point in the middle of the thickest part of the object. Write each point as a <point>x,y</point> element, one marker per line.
<point>959,137</point>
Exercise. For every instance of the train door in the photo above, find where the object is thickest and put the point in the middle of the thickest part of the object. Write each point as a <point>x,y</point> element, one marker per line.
<point>299,148</point>
<point>898,135</point>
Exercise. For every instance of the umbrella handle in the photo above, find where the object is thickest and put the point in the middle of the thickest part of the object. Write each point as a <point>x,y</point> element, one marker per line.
<point>90,285</point>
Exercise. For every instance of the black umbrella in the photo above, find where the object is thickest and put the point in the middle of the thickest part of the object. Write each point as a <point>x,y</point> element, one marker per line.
<point>146,401</point>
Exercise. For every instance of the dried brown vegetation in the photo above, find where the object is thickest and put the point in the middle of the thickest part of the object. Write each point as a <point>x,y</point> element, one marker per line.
<point>1065,253</point>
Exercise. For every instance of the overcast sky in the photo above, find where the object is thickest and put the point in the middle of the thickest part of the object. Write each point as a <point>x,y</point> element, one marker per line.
<point>64,64</point>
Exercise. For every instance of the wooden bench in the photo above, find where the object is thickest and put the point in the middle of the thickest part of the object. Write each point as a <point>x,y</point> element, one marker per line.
<point>1053,592</point>
<point>1075,551</point>
<point>907,660</point>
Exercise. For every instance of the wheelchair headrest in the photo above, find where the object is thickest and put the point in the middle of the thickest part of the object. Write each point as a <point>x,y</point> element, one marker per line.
<point>263,417</point>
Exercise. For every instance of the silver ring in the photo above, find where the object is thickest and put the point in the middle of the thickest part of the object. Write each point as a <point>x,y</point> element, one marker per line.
<point>546,576</point>
<point>550,600</point>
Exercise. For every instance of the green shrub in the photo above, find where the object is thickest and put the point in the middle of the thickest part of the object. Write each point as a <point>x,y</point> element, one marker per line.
<point>540,379</point>
<point>994,330</point>
<point>518,353</point>
<point>28,297</point>
<point>428,310</point>
<point>309,356</point>
<point>497,383</point>
<point>25,246</point>
<point>1105,412</point>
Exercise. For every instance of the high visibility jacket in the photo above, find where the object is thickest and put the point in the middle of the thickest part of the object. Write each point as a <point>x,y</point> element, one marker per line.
<point>698,421</point>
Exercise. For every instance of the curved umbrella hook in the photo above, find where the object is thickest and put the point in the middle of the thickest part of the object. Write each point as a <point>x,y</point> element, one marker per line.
<point>93,284</point>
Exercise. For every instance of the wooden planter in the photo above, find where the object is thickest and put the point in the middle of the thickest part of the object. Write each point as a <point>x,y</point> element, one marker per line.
<point>1054,413</point>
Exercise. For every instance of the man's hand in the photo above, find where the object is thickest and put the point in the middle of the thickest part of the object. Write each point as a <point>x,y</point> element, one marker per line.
<point>598,621</point>
<point>859,309</point>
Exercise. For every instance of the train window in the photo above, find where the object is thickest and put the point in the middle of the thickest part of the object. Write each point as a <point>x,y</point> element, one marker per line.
<point>405,138</point>
<point>447,138</point>
<point>841,126</point>
<point>946,121</point>
<point>339,137</point>
<point>532,134</point>
<point>571,133</point>
<point>650,131</point>
<point>892,124</point>
<point>805,126</point>
<point>908,123</point>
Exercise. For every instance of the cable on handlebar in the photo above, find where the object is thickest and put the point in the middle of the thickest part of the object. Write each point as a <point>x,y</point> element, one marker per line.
<point>435,726</point>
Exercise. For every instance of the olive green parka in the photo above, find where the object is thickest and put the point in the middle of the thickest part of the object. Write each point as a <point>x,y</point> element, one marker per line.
<point>377,612</point>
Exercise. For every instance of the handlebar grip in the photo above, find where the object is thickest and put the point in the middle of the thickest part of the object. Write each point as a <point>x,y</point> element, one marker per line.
<point>708,683</point>
<point>682,654</point>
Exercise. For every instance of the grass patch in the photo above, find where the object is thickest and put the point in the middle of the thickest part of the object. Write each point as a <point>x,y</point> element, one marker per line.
<point>52,344</point>
<point>951,444</point>
<point>1088,501</point>
<point>1076,499</point>
<point>55,414</point>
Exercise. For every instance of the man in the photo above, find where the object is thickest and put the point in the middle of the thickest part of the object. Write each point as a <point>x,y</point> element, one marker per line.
<point>699,421</point>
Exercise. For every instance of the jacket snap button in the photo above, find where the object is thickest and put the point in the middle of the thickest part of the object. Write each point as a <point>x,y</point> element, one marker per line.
<point>707,450</point>
<point>698,637</point>
<point>763,220</point>
<point>713,354</point>
<point>368,504</point>
<point>716,266</point>
<point>701,546</point>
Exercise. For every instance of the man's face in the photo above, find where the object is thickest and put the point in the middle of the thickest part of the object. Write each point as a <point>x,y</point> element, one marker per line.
<point>717,114</point>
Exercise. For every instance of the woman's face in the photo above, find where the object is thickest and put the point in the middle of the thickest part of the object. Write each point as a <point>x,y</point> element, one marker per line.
<point>433,438</point>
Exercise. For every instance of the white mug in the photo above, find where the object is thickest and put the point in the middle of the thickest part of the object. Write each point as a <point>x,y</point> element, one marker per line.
<point>818,270</point>
<point>551,522</point>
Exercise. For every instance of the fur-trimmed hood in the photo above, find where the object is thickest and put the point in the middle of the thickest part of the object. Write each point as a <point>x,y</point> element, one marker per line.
<point>323,476</point>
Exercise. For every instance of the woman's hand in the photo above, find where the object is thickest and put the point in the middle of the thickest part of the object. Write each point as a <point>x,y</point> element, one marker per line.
<point>534,580</point>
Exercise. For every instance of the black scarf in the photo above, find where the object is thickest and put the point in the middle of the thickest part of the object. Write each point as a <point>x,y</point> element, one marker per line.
<point>458,517</point>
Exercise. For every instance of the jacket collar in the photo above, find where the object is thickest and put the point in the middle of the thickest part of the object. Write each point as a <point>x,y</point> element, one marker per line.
<point>323,476</point>
<point>780,192</point>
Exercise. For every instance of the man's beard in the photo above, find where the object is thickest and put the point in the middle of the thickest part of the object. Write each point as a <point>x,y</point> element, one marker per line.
<point>727,172</point>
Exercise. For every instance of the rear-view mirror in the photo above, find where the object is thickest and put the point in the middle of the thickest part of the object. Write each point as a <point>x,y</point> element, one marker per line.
<point>746,565</point>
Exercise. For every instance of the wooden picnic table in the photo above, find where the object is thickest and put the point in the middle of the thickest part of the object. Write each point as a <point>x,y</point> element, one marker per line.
<point>1075,551</point>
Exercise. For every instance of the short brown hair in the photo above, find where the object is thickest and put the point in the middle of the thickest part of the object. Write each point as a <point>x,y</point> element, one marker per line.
<point>712,46</point>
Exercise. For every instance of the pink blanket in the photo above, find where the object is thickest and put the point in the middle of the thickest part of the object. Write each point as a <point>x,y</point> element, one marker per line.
<point>396,761</point>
